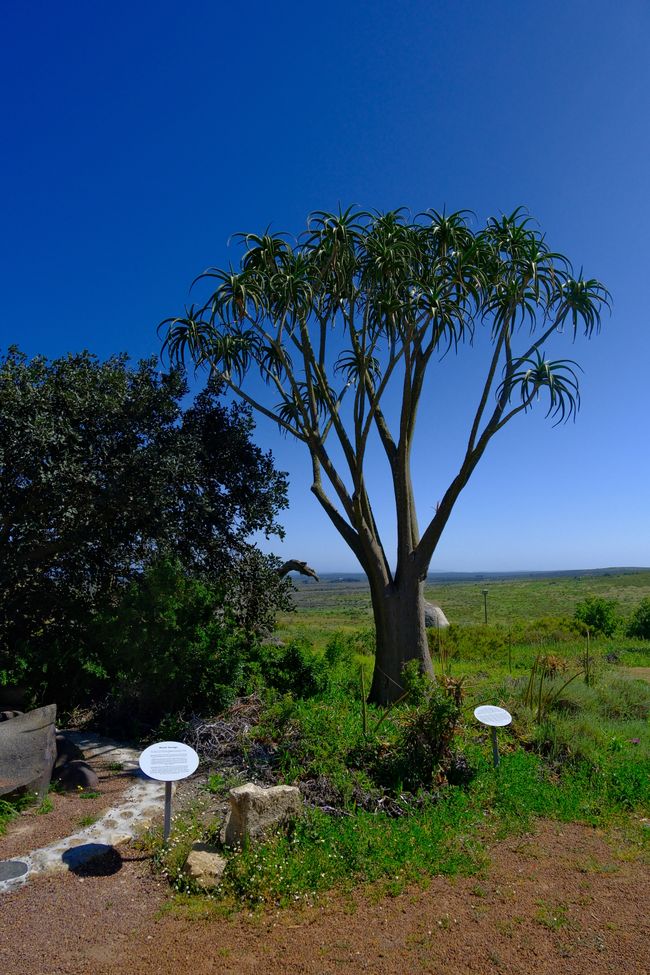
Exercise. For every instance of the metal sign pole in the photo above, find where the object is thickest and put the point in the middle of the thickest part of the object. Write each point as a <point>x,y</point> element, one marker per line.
<point>168,811</point>
<point>495,747</point>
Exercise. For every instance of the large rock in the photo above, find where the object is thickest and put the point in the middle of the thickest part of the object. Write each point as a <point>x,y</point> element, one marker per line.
<point>28,751</point>
<point>66,750</point>
<point>76,775</point>
<point>204,865</point>
<point>254,811</point>
<point>434,616</point>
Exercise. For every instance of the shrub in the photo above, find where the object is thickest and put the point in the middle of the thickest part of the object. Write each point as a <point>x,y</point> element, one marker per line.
<point>639,625</point>
<point>424,731</point>
<point>598,615</point>
<point>344,647</point>
<point>171,646</point>
<point>291,669</point>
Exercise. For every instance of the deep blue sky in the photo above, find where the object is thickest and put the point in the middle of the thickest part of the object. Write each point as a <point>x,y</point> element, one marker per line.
<point>138,137</point>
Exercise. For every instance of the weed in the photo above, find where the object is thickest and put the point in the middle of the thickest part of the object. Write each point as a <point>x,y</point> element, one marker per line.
<point>543,689</point>
<point>10,808</point>
<point>84,821</point>
<point>219,784</point>
<point>554,917</point>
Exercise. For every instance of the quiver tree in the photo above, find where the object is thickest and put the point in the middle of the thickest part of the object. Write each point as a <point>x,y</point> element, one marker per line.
<point>363,302</point>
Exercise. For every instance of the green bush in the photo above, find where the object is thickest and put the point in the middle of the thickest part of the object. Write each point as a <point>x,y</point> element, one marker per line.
<point>424,736</point>
<point>345,647</point>
<point>171,646</point>
<point>599,615</point>
<point>293,669</point>
<point>639,625</point>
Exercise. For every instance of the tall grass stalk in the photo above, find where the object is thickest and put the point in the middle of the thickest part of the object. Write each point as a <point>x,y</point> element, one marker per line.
<point>540,691</point>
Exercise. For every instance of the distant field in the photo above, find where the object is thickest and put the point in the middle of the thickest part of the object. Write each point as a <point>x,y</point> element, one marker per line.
<point>334,604</point>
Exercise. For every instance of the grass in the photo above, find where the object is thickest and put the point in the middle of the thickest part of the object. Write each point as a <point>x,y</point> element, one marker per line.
<point>45,807</point>
<point>84,821</point>
<point>9,809</point>
<point>587,763</point>
<point>448,837</point>
<point>328,606</point>
<point>551,916</point>
<point>583,757</point>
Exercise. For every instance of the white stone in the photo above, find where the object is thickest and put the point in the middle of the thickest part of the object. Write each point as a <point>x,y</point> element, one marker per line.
<point>254,811</point>
<point>204,865</point>
<point>434,616</point>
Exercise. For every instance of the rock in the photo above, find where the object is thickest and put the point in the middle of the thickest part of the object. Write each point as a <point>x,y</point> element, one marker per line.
<point>76,775</point>
<point>7,715</point>
<point>204,865</point>
<point>254,811</point>
<point>27,751</point>
<point>434,616</point>
<point>66,750</point>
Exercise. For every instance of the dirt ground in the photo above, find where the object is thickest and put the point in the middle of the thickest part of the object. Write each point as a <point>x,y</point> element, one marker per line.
<point>562,900</point>
<point>66,813</point>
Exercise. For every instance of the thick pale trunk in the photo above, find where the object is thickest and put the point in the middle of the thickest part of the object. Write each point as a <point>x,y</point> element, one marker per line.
<point>398,610</point>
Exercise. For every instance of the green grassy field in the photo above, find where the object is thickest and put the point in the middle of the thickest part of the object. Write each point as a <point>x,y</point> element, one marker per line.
<point>323,608</point>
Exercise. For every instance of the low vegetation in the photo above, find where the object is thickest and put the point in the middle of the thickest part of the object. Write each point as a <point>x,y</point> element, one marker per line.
<point>397,794</point>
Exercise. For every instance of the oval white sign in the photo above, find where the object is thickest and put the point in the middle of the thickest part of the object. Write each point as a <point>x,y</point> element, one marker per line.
<point>492,715</point>
<point>169,761</point>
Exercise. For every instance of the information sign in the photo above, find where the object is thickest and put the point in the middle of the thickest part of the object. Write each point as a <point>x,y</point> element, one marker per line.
<point>492,715</point>
<point>168,761</point>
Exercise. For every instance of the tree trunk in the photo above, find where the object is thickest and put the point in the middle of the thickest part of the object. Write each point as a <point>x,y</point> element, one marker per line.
<point>398,609</point>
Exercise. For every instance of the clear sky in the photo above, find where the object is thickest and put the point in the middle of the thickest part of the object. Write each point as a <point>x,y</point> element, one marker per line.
<point>137,137</point>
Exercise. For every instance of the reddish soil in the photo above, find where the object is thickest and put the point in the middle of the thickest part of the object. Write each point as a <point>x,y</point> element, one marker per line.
<point>562,901</point>
<point>31,830</point>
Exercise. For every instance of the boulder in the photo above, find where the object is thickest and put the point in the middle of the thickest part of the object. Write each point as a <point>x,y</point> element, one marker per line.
<point>66,750</point>
<point>76,775</point>
<point>204,865</point>
<point>434,616</point>
<point>254,811</point>
<point>27,751</point>
<point>7,715</point>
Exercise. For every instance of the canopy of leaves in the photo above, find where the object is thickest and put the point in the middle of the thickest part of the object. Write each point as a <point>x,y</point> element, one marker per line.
<point>363,300</point>
<point>598,615</point>
<point>639,625</point>
<point>101,473</point>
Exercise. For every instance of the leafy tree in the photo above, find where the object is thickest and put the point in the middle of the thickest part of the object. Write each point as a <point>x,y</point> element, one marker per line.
<point>598,614</point>
<point>639,625</point>
<point>101,471</point>
<point>364,302</point>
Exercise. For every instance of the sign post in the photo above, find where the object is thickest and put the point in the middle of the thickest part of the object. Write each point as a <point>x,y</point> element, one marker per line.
<point>168,761</point>
<point>494,717</point>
